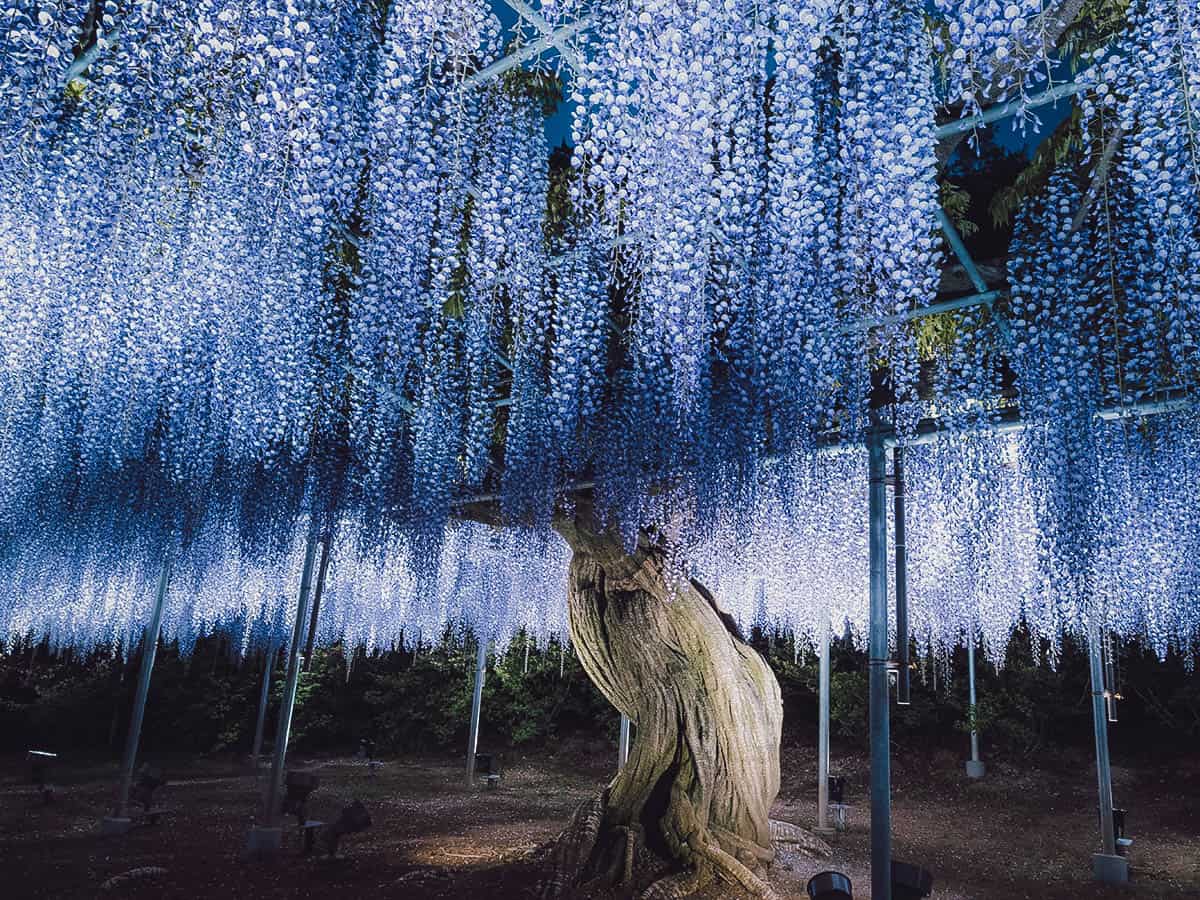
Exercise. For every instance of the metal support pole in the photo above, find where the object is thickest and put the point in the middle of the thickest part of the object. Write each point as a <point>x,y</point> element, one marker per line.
<point>975,768</point>
<point>623,743</point>
<point>1100,720</point>
<point>263,695</point>
<point>119,821</point>
<point>268,835</point>
<point>881,775</point>
<point>476,709</point>
<point>322,569</point>
<point>903,688</point>
<point>823,733</point>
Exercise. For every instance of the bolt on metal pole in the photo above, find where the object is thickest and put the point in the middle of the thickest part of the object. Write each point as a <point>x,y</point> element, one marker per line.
<point>263,696</point>
<point>903,688</point>
<point>476,708</point>
<point>1100,722</point>
<point>149,650</point>
<point>274,792</point>
<point>881,775</point>
<point>623,743</point>
<point>823,733</point>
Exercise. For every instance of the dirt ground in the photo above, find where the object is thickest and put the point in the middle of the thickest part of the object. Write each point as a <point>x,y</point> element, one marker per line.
<point>1019,833</point>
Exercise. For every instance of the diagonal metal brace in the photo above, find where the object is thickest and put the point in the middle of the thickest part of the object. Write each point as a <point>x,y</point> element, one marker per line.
<point>538,21</point>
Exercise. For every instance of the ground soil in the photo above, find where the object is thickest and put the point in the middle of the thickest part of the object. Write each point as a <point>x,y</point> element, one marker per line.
<point>1020,833</point>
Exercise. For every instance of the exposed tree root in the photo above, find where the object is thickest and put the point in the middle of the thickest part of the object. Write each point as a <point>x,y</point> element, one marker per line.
<point>571,850</point>
<point>678,886</point>
<point>140,874</point>
<point>737,873</point>
<point>787,833</point>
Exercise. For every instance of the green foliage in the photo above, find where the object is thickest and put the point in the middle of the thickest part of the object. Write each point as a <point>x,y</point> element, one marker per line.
<point>1099,23</point>
<point>207,702</point>
<point>956,201</point>
<point>1064,143</point>
<point>849,697</point>
<point>423,705</point>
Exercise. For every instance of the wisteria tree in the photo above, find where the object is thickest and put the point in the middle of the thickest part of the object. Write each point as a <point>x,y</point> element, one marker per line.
<point>285,265</point>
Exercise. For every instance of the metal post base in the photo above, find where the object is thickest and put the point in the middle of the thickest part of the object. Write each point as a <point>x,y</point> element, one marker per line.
<point>263,841</point>
<point>115,825</point>
<point>825,832</point>
<point>1110,869</point>
<point>976,768</point>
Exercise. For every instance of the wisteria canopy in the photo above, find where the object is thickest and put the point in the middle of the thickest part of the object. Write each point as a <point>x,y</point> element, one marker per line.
<point>270,267</point>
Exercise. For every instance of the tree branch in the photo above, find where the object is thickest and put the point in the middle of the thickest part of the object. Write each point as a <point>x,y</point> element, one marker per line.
<point>1099,179</point>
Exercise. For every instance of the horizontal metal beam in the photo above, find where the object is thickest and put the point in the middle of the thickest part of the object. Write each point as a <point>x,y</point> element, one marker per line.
<point>538,21</point>
<point>929,430</point>
<point>1169,401</point>
<point>983,299</point>
<point>529,51</point>
<point>1014,106</point>
<point>80,64</point>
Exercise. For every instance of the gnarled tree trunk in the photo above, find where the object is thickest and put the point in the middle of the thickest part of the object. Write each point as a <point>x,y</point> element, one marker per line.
<point>693,801</point>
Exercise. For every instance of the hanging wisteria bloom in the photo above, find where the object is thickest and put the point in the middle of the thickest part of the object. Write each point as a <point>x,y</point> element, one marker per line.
<point>889,184</point>
<point>669,150</point>
<point>993,49</point>
<point>801,330</point>
<point>283,268</point>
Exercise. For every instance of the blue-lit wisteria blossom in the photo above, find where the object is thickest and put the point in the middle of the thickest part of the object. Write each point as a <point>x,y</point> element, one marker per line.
<point>290,266</point>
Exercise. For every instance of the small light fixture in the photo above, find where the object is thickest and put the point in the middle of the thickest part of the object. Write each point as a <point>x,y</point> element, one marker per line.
<point>830,886</point>
<point>298,786</point>
<point>148,781</point>
<point>837,788</point>
<point>910,882</point>
<point>487,766</point>
<point>352,819</point>
<point>39,771</point>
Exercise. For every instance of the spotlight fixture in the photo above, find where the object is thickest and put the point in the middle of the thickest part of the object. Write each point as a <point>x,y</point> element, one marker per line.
<point>487,766</point>
<point>299,785</point>
<point>352,819</point>
<point>837,801</point>
<point>837,788</point>
<point>148,781</point>
<point>910,882</point>
<point>1123,843</point>
<point>39,770</point>
<point>830,886</point>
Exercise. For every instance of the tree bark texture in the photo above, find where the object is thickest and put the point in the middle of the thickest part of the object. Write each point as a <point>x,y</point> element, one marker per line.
<point>693,801</point>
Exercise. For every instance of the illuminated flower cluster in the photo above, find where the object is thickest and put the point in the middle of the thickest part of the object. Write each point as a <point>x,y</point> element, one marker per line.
<point>801,326</point>
<point>991,48</point>
<point>669,144</point>
<point>1106,288</point>
<point>285,264</point>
